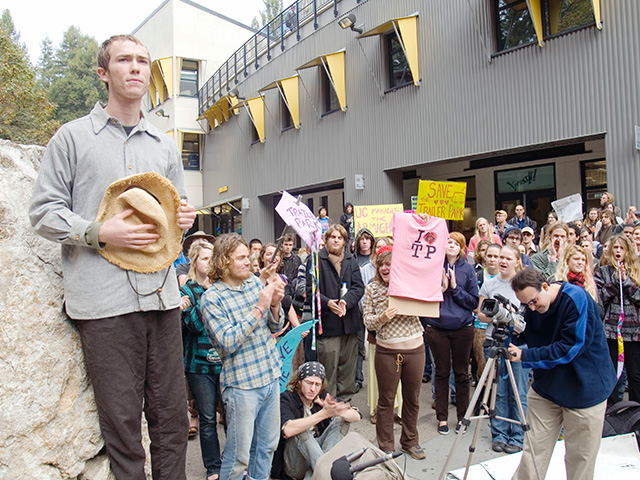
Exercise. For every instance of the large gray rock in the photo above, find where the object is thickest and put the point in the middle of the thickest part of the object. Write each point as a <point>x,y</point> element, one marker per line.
<point>48,420</point>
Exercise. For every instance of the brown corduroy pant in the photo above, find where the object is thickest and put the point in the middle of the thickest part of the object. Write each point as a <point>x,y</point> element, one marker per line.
<point>392,366</point>
<point>135,361</point>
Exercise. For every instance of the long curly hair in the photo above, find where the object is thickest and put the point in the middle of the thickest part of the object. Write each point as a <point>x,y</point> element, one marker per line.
<point>562,271</point>
<point>631,262</point>
<point>221,258</point>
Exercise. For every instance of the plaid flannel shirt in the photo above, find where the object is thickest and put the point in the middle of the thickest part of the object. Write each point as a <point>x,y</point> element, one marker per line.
<point>249,359</point>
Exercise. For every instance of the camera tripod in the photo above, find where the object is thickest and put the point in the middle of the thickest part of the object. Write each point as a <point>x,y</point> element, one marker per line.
<point>489,380</point>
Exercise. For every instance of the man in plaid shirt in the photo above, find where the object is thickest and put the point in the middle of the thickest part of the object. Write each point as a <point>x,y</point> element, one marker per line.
<point>240,313</point>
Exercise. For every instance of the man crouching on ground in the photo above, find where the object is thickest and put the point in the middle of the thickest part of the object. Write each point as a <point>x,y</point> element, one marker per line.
<point>313,421</point>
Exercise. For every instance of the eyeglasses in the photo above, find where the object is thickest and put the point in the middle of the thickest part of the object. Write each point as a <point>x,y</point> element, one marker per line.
<point>534,302</point>
<point>312,384</point>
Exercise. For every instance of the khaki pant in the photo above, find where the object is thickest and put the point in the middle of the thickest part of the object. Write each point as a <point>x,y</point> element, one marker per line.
<point>582,433</point>
<point>339,355</point>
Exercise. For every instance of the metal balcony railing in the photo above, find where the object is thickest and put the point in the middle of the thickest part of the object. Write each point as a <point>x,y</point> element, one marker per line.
<point>261,47</point>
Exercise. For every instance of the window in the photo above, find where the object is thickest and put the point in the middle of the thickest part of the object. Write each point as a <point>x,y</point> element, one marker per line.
<point>516,22</point>
<point>255,137</point>
<point>331,102</point>
<point>285,115</point>
<point>399,71</point>
<point>594,182</point>
<point>564,15</point>
<point>189,78</point>
<point>191,151</point>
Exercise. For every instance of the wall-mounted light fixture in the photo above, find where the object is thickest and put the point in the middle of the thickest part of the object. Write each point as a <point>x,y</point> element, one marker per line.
<point>161,113</point>
<point>349,21</point>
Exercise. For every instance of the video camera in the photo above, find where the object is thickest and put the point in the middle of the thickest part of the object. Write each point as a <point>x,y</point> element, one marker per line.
<point>505,317</point>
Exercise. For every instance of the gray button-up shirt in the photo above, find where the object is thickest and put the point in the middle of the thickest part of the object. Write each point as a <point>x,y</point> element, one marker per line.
<point>82,159</point>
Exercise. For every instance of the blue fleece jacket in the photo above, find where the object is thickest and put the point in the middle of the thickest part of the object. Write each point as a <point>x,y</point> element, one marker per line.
<point>568,351</point>
<point>456,309</point>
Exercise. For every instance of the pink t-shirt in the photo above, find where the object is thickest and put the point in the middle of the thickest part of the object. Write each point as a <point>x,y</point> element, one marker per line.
<point>418,256</point>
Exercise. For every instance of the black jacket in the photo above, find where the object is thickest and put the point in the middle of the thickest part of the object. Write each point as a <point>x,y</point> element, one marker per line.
<point>329,286</point>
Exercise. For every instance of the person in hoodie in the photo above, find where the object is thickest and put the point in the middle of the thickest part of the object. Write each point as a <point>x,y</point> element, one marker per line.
<point>450,336</point>
<point>363,248</point>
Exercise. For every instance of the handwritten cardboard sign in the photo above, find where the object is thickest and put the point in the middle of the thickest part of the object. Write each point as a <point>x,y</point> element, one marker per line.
<point>301,219</point>
<point>442,199</point>
<point>375,218</point>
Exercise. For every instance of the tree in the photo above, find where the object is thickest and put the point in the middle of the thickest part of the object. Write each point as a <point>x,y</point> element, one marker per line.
<point>25,112</point>
<point>272,9</point>
<point>71,73</point>
<point>45,69</point>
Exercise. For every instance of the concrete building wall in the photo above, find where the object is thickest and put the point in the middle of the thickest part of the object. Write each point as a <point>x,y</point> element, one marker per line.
<point>471,104</point>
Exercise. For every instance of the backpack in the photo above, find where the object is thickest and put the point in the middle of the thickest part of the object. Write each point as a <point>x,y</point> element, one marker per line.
<point>622,417</point>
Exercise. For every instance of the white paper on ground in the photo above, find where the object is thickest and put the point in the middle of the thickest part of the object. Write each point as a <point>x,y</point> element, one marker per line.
<point>618,458</point>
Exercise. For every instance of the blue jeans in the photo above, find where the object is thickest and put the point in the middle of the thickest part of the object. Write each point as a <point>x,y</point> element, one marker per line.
<point>302,451</point>
<point>501,430</point>
<point>206,390</point>
<point>253,431</point>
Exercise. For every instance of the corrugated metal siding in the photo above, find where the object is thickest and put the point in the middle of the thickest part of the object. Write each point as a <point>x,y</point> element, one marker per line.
<point>579,84</point>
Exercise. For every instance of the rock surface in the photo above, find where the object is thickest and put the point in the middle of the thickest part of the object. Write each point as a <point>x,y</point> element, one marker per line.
<point>48,421</point>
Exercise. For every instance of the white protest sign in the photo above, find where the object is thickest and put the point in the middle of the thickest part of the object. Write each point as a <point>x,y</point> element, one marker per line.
<point>301,219</point>
<point>568,208</point>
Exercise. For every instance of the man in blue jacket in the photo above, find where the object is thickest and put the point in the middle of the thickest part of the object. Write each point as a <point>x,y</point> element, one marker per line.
<point>571,376</point>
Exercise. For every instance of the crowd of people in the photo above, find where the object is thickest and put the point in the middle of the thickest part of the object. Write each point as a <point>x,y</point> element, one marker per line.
<point>354,275</point>
<point>229,299</point>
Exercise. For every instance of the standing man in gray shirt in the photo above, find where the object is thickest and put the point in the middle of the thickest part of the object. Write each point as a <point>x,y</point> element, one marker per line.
<point>129,322</point>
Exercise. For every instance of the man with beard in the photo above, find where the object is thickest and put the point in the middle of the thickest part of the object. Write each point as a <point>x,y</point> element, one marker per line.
<point>340,315</point>
<point>240,314</point>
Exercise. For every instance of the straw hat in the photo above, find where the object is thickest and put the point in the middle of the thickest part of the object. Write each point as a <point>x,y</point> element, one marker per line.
<point>156,201</point>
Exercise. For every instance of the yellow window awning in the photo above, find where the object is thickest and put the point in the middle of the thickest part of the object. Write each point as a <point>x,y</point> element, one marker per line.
<point>333,64</point>
<point>158,84</point>
<point>289,91</point>
<point>161,81</point>
<point>535,10</point>
<point>596,13</point>
<point>166,68</point>
<point>255,110</point>
<point>220,112</point>
<point>181,132</point>
<point>406,29</point>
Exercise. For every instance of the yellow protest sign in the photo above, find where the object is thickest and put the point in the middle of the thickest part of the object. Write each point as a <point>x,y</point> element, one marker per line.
<point>375,218</point>
<point>442,199</point>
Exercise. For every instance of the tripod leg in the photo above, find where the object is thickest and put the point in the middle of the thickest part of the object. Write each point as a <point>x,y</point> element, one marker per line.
<point>523,419</point>
<point>486,379</point>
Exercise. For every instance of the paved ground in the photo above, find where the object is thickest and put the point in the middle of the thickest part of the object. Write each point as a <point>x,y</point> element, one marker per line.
<point>437,447</point>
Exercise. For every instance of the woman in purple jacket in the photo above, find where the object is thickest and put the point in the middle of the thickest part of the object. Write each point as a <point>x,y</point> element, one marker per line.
<point>450,336</point>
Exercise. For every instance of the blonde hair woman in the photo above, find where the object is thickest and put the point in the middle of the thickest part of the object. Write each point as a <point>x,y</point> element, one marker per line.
<point>575,266</point>
<point>621,267</point>
<point>483,231</point>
